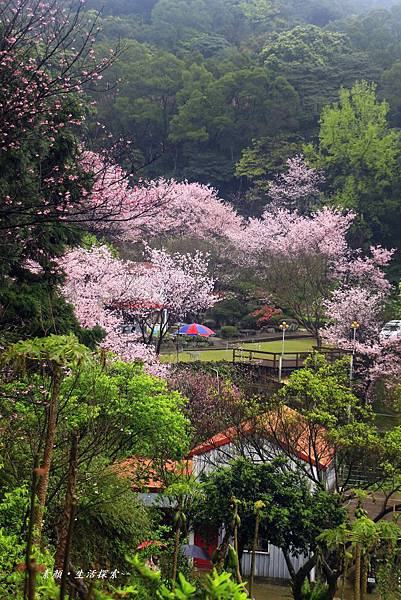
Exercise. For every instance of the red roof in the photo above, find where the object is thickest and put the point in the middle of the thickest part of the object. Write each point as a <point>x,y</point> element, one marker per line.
<point>145,475</point>
<point>303,447</point>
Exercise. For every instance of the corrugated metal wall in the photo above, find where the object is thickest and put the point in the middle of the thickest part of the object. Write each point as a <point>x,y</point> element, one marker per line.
<point>271,564</point>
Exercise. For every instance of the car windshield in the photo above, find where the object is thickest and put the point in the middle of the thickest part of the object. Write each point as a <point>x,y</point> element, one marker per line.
<point>392,327</point>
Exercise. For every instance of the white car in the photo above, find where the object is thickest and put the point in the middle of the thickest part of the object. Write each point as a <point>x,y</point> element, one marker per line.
<point>391,330</point>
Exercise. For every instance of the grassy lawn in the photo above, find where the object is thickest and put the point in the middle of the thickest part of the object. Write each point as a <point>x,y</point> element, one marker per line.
<point>291,345</point>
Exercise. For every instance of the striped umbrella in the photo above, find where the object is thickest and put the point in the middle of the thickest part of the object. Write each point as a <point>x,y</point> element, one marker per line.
<point>195,329</point>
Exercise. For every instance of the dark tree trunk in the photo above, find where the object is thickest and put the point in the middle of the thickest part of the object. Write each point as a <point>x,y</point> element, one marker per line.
<point>221,552</point>
<point>253,559</point>
<point>332,568</point>
<point>68,502</point>
<point>298,577</point>
<point>31,579</point>
<point>332,585</point>
<point>47,455</point>
<point>159,344</point>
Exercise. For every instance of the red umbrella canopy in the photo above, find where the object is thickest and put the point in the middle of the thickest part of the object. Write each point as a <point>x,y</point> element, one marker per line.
<point>195,329</point>
<point>148,543</point>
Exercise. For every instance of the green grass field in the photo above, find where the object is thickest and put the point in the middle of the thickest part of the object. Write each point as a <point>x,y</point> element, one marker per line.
<point>291,345</point>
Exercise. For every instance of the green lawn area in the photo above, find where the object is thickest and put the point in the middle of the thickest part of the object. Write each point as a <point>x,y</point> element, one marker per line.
<point>291,345</point>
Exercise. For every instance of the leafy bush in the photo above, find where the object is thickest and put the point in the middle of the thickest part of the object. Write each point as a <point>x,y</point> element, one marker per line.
<point>314,591</point>
<point>213,587</point>
<point>110,520</point>
<point>228,331</point>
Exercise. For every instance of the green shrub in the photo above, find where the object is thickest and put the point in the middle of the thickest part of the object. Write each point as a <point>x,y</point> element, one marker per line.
<point>314,591</point>
<point>212,587</point>
<point>228,331</point>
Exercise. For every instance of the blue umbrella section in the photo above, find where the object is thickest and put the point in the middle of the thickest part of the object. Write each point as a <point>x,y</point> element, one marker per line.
<point>193,551</point>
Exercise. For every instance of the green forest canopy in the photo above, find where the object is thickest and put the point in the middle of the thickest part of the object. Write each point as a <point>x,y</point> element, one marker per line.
<point>202,81</point>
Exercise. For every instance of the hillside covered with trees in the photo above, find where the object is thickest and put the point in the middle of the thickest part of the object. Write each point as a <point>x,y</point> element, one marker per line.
<point>224,92</point>
<point>200,310</point>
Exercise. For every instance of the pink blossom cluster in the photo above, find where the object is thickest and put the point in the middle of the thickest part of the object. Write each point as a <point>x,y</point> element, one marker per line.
<point>285,233</point>
<point>387,364</point>
<point>294,189</point>
<point>363,291</point>
<point>354,286</point>
<point>179,282</point>
<point>347,305</point>
<point>190,209</point>
<point>97,284</point>
<point>367,270</point>
<point>46,52</point>
<point>94,278</point>
<point>154,208</point>
<point>113,202</point>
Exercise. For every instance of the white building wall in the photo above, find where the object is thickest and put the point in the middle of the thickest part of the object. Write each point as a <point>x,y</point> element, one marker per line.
<point>269,564</point>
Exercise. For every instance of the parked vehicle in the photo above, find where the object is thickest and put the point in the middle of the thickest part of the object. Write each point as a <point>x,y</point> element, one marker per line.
<point>129,328</point>
<point>391,330</point>
<point>371,583</point>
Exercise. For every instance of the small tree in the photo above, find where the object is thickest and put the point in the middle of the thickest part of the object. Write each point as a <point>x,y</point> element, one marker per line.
<point>292,517</point>
<point>368,540</point>
<point>182,493</point>
<point>54,355</point>
<point>303,259</point>
<point>259,506</point>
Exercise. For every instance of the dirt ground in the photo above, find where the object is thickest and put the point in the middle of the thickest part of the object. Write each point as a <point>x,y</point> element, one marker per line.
<point>266,591</point>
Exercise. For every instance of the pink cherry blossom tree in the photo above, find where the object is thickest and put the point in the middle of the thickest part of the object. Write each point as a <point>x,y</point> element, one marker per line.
<point>105,290</point>
<point>122,210</point>
<point>47,58</point>
<point>176,286</point>
<point>192,210</point>
<point>386,366</point>
<point>297,188</point>
<point>115,206</point>
<point>94,279</point>
<point>181,285</point>
<point>297,258</point>
<point>360,298</point>
<point>304,259</point>
<point>348,305</point>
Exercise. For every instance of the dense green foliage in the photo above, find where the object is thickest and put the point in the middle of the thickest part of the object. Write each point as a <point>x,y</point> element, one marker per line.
<point>114,410</point>
<point>221,92</point>
<point>360,155</point>
<point>224,92</point>
<point>201,81</point>
<point>30,304</point>
<point>293,514</point>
